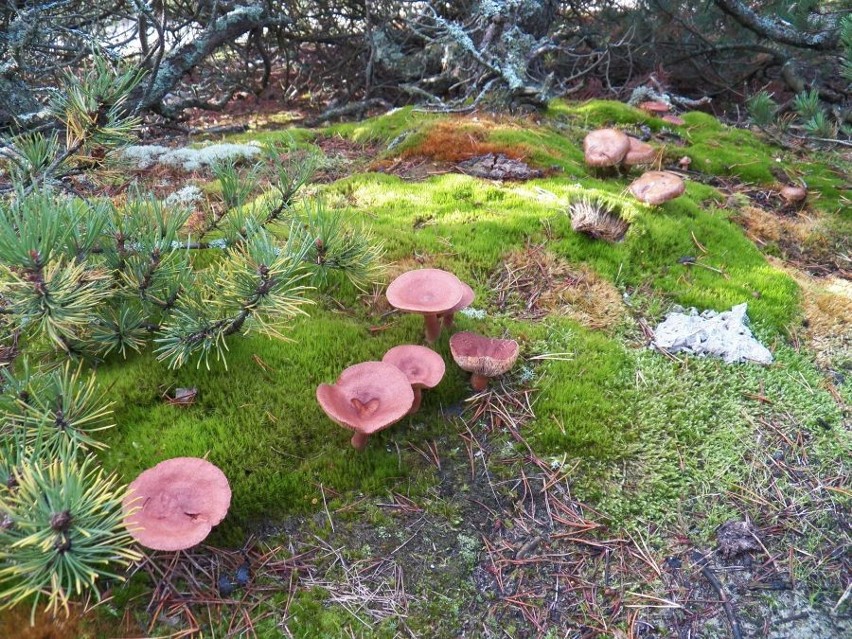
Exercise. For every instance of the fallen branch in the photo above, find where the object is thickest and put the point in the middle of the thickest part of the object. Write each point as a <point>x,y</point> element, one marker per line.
<point>702,562</point>
<point>349,108</point>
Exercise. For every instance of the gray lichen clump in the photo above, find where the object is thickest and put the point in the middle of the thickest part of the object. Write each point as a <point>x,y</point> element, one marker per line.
<point>724,335</point>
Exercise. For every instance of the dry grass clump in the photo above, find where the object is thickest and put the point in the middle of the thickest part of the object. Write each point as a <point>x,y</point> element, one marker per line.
<point>827,306</point>
<point>16,623</point>
<point>597,219</point>
<point>458,139</point>
<point>763,226</point>
<point>532,283</point>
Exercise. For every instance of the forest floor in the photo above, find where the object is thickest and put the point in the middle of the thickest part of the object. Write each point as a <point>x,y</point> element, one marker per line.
<point>602,488</point>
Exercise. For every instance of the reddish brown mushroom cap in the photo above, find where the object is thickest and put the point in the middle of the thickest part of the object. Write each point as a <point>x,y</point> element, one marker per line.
<point>605,147</point>
<point>367,397</point>
<point>423,367</point>
<point>655,107</point>
<point>426,290</point>
<point>793,194</point>
<point>466,299</point>
<point>656,187</point>
<point>485,357</point>
<point>429,291</point>
<point>175,504</point>
<point>639,153</point>
<point>673,119</point>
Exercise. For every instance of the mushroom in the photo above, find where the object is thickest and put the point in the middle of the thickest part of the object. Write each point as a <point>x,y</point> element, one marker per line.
<point>483,357</point>
<point>793,194</point>
<point>638,153</point>
<point>175,504</point>
<point>655,107</point>
<point>467,297</point>
<point>673,119</point>
<point>656,187</point>
<point>367,398</point>
<point>423,367</point>
<point>605,147</point>
<point>428,291</point>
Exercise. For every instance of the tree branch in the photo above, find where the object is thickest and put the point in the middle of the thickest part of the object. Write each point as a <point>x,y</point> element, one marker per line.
<point>226,28</point>
<point>778,31</point>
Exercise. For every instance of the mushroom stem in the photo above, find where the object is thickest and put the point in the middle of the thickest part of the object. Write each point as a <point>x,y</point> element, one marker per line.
<point>433,327</point>
<point>448,319</point>
<point>479,382</point>
<point>359,441</point>
<point>418,397</point>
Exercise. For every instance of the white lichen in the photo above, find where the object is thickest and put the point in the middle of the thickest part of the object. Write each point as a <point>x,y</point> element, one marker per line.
<point>189,159</point>
<point>473,313</point>
<point>187,196</point>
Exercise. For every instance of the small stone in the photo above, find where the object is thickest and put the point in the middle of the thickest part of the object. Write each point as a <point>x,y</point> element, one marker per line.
<point>736,538</point>
<point>498,167</point>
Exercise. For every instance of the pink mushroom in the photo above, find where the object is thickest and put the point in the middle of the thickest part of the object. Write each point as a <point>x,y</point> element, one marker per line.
<point>605,147</point>
<point>483,357</point>
<point>367,398</point>
<point>638,153</point>
<point>175,504</point>
<point>466,300</point>
<point>423,367</point>
<point>656,187</point>
<point>654,107</point>
<point>793,194</point>
<point>428,291</point>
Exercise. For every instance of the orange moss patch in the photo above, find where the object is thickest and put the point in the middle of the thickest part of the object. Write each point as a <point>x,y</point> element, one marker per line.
<point>533,283</point>
<point>459,139</point>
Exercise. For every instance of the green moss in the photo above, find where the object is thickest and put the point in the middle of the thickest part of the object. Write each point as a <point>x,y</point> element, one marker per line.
<point>688,433</point>
<point>293,136</point>
<point>643,438</point>
<point>258,420</point>
<point>383,128</point>
<point>588,416</point>
<point>601,113</point>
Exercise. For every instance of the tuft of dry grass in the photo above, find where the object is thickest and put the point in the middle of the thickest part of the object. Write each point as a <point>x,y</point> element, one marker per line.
<point>16,623</point>
<point>533,283</point>
<point>596,219</point>
<point>763,226</point>
<point>827,307</point>
<point>188,593</point>
<point>371,590</point>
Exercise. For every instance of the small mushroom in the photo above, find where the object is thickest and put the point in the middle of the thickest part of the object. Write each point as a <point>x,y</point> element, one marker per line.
<point>175,504</point>
<point>423,367</point>
<point>483,357</point>
<point>605,147</point>
<point>656,187</point>
<point>673,119</point>
<point>684,163</point>
<point>428,291</point>
<point>366,398</point>
<point>655,107</point>
<point>466,300</point>
<point>793,194</point>
<point>638,153</point>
